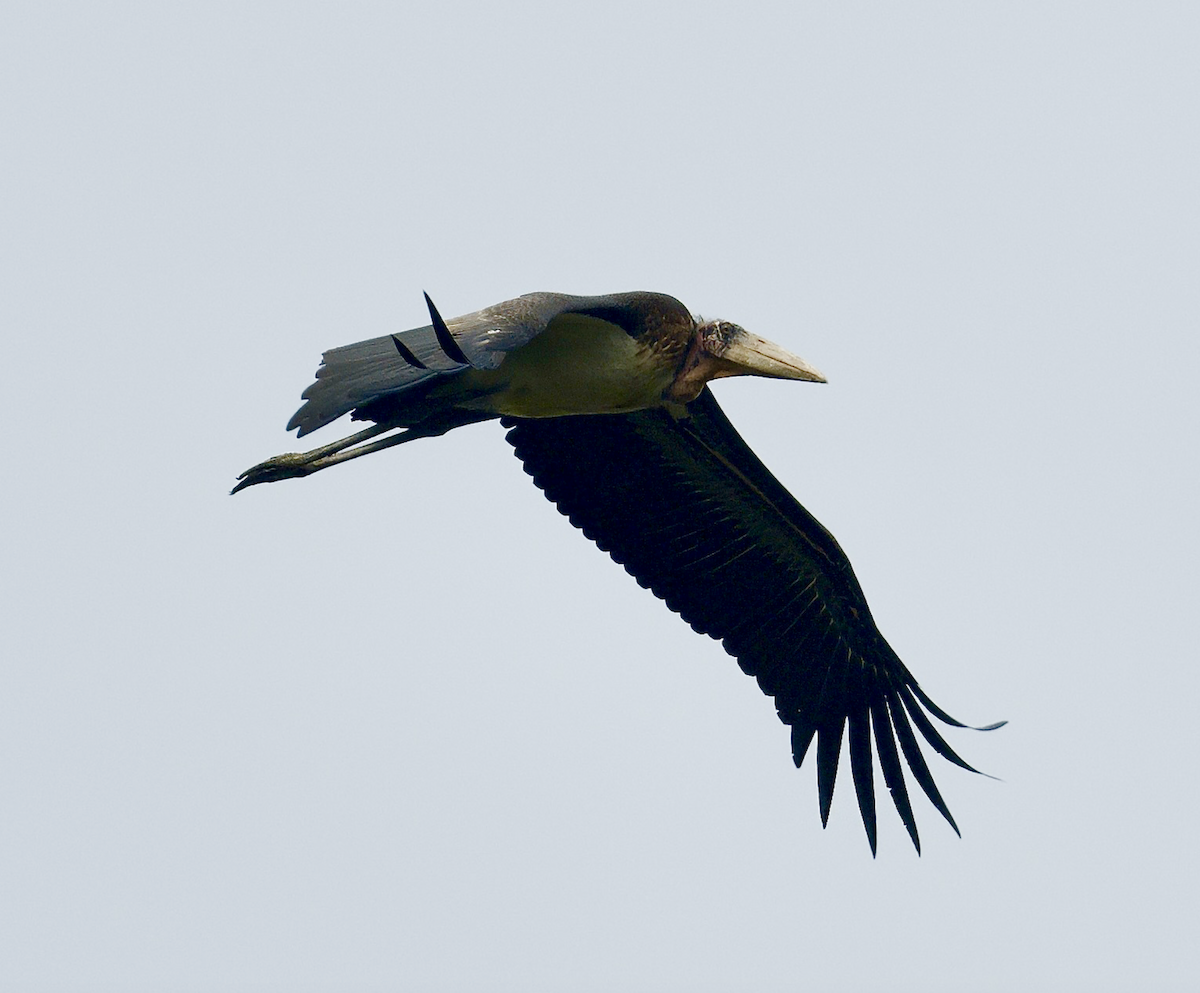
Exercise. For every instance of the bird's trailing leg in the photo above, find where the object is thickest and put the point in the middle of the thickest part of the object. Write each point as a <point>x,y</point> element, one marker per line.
<point>305,463</point>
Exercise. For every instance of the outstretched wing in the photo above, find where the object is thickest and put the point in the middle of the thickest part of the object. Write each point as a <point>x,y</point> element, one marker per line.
<point>692,514</point>
<point>354,377</point>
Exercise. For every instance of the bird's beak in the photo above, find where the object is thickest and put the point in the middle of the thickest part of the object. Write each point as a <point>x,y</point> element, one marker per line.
<point>747,354</point>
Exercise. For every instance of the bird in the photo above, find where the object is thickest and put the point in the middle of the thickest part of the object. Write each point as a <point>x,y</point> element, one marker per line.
<point>606,402</point>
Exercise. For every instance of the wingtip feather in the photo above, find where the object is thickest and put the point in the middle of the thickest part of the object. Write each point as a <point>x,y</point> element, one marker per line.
<point>829,747</point>
<point>862,771</point>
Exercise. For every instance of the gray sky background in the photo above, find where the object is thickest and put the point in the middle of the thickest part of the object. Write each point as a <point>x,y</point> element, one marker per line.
<point>399,726</point>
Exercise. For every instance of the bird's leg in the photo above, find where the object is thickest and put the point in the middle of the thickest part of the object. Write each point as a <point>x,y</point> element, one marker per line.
<point>305,463</point>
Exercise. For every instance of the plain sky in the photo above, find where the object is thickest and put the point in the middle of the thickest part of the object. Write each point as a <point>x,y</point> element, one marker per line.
<point>398,726</point>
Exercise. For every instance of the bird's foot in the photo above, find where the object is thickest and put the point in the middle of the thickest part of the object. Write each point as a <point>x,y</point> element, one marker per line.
<point>280,467</point>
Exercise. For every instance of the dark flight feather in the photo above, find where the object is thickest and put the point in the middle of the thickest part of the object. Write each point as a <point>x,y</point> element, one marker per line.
<point>691,513</point>
<point>451,347</point>
<point>407,354</point>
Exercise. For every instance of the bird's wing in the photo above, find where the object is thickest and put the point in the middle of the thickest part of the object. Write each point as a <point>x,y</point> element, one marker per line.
<point>692,514</point>
<point>355,376</point>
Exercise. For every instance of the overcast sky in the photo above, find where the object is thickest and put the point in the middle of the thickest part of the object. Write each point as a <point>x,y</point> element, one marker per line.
<point>399,726</point>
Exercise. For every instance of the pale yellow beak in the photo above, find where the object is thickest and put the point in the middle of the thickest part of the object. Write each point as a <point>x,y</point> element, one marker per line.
<point>749,355</point>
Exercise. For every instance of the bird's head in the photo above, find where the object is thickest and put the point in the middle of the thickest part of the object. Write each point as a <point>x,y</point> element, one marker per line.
<point>720,348</point>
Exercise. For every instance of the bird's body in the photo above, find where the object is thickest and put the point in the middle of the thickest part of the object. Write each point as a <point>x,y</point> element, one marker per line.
<point>581,365</point>
<point>609,411</point>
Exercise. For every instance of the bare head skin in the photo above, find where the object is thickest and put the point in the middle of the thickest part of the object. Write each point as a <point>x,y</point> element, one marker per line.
<point>720,349</point>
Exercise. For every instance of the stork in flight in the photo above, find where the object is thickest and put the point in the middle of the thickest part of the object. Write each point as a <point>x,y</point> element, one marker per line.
<point>607,405</point>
